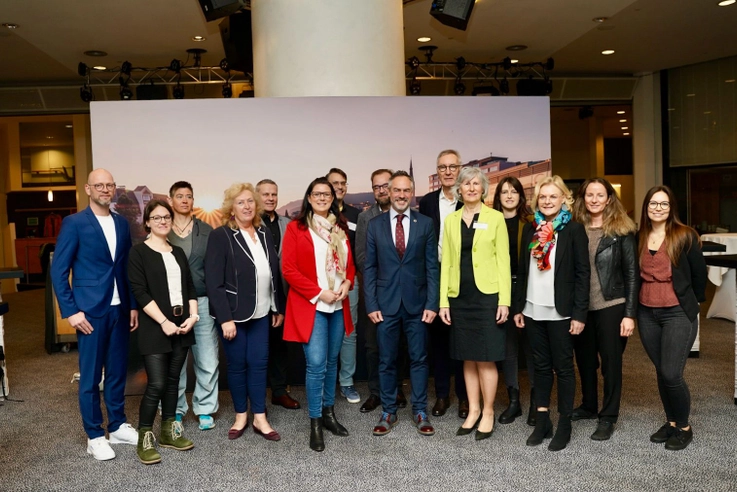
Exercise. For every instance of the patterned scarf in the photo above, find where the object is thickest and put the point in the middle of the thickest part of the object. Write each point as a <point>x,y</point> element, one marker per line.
<point>543,240</point>
<point>335,261</point>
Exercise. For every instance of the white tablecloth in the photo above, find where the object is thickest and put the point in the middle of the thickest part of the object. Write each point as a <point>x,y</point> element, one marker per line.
<point>725,297</point>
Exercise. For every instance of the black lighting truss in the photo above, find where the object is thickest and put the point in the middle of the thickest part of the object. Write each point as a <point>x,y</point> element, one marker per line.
<point>165,76</point>
<point>479,72</point>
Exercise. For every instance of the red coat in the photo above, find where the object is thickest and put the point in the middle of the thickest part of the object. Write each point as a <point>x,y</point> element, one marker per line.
<point>300,272</point>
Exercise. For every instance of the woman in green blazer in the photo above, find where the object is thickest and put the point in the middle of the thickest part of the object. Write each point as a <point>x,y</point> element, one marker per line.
<point>475,289</point>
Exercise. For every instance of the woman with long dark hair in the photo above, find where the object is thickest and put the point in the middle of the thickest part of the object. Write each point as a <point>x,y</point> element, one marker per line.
<point>612,301</point>
<point>317,264</point>
<point>509,198</point>
<point>673,274</point>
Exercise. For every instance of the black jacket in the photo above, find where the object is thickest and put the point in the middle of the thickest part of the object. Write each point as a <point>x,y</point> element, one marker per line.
<point>572,272</point>
<point>689,278</point>
<point>230,275</point>
<point>617,266</point>
<point>430,207</point>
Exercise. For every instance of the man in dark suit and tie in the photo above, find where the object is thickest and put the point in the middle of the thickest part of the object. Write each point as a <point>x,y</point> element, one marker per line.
<point>94,244</point>
<point>401,277</point>
<point>438,205</point>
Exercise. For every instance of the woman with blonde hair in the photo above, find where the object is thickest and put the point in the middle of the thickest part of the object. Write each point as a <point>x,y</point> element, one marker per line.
<point>551,302</point>
<point>612,301</point>
<point>245,292</point>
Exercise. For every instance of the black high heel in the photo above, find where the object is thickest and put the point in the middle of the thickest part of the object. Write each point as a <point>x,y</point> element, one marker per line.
<point>464,431</point>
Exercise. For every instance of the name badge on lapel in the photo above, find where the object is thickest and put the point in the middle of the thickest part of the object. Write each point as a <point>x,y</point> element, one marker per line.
<point>480,225</point>
<point>352,226</point>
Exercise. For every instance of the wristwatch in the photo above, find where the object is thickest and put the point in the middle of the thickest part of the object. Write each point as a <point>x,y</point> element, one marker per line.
<point>195,316</point>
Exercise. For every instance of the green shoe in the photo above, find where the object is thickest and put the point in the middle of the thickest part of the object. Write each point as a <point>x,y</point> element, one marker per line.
<point>147,453</point>
<point>171,436</point>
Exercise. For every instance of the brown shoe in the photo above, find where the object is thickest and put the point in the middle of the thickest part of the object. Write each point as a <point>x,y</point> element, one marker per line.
<point>285,401</point>
<point>370,404</point>
<point>440,407</point>
<point>463,409</point>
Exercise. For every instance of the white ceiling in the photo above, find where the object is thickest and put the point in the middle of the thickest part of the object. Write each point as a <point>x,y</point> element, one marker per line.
<point>648,35</point>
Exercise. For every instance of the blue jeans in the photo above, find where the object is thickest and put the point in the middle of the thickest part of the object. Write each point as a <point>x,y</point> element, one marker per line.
<point>348,349</point>
<point>321,357</point>
<point>248,357</point>
<point>205,364</point>
<point>667,335</point>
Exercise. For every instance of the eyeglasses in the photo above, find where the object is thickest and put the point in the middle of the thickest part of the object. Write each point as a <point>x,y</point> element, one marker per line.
<point>158,218</point>
<point>452,168</point>
<point>102,186</point>
<point>321,194</point>
<point>654,205</point>
<point>385,186</point>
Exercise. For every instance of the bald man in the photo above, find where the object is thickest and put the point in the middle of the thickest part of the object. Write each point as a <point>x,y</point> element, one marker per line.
<point>93,244</point>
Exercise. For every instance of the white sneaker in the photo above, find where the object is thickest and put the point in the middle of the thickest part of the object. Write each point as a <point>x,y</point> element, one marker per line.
<point>100,449</point>
<point>125,434</point>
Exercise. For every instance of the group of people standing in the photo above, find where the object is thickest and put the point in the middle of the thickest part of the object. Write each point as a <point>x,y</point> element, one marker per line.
<point>465,285</point>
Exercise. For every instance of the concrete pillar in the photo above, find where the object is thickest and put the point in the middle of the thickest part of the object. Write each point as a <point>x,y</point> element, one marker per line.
<point>328,48</point>
<point>647,139</point>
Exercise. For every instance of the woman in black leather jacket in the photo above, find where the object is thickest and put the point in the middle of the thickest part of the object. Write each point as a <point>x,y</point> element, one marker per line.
<point>612,301</point>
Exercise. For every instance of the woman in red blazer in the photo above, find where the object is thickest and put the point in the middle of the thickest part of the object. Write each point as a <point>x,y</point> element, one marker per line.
<point>318,266</point>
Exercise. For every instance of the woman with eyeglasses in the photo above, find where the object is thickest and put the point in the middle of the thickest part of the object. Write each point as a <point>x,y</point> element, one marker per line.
<point>509,198</point>
<point>246,299</point>
<point>551,302</point>
<point>673,275</point>
<point>612,301</point>
<point>317,264</point>
<point>162,284</point>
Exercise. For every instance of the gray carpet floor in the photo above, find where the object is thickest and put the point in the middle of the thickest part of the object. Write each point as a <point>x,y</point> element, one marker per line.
<point>42,444</point>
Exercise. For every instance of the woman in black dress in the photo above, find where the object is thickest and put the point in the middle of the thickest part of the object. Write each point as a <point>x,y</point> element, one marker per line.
<point>475,290</point>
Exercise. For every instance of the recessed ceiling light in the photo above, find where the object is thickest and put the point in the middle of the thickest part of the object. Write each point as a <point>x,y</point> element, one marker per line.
<point>99,67</point>
<point>620,112</point>
<point>623,121</point>
<point>67,126</point>
<point>729,81</point>
<point>725,3</point>
<point>625,128</point>
<point>607,52</point>
<point>95,53</point>
<point>10,25</point>
<point>516,47</point>
<point>671,109</point>
<point>707,112</point>
<point>514,61</point>
<point>198,38</point>
<point>600,19</point>
<point>625,133</point>
<point>424,39</point>
<point>49,137</point>
<point>690,95</point>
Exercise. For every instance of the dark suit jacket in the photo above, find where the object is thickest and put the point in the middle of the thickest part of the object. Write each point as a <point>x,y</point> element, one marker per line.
<point>572,271</point>
<point>81,247</point>
<point>413,281</point>
<point>430,207</point>
<point>147,273</point>
<point>689,278</point>
<point>230,275</point>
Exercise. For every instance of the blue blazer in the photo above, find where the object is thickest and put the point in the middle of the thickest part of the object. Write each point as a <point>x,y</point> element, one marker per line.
<point>414,280</point>
<point>81,247</point>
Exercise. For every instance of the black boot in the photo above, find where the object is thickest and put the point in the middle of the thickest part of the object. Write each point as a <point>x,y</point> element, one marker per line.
<point>543,429</point>
<point>562,434</point>
<point>532,415</point>
<point>331,423</point>
<point>513,410</point>
<point>317,443</point>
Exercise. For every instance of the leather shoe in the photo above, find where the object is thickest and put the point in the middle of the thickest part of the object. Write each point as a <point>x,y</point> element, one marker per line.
<point>285,401</point>
<point>401,399</point>
<point>440,407</point>
<point>464,431</point>
<point>370,404</point>
<point>663,434</point>
<point>462,409</point>
<point>680,439</point>
<point>603,431</point>
<point>581,413</point>
<point>271,436</point>
<point>386,422</point>
<point>424,426</point>
<point>236,433</point>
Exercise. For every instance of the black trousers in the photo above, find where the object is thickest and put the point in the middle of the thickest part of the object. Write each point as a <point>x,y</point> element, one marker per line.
<point>441,363</point>
<point>279,357</point>
<point>552,350</point>
<point>162,371</point>
<point>600,339</point>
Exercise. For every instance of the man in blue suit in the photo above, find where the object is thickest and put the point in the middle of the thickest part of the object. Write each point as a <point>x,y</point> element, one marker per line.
<point>94,245</point>
<point>401,280</point>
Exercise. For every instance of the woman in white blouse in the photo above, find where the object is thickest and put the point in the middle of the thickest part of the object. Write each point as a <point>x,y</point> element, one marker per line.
<point>246,298</point>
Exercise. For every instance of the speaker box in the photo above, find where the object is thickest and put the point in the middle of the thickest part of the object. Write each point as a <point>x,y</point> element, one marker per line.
<point>237,43</point>
<point>217,9</point>
<point>453,13</point>
<point>151,91</point>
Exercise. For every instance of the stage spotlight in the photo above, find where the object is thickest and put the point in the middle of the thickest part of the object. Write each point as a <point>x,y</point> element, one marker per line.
<point>460,63</point>
<point>126,68</point>
<point>459,88</point>
<point>415,88</point>
<point>86,93</point>
<point>548,86</point>
<point>549,64</point>
<point>507,63</point>
<point>82,69</point>
<point>178,92</point>
<point>414,63</point>
<point>227,90</point>
<point>485,90</point>
<point>175,65</point>
<point>224,65</point>
<point>125,93</point>
<point>504,86</point>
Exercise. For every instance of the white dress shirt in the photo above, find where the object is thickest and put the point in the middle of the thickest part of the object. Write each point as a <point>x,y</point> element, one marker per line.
<point>405,223</point>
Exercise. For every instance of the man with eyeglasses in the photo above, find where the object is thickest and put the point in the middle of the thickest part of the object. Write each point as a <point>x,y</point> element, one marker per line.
<point>94,244</point>
<point>339,180</point>
<point>278,348</point>
<point>191,234</point>
<point>380,186</point>
<point>438,205</point>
